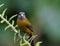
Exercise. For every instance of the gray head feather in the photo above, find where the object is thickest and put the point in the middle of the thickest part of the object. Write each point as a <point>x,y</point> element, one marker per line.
<point>21,15</point>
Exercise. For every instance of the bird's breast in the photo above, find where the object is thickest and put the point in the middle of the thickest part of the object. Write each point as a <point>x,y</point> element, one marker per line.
<point>22,24</point>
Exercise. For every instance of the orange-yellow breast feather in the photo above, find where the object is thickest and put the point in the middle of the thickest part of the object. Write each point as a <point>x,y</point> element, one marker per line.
<point>25,25</point>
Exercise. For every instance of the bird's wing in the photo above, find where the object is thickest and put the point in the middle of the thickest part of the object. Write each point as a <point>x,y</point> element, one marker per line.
<point>29,26</point>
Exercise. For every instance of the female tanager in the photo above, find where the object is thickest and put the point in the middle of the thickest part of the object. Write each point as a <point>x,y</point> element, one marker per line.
<point>24,24</point>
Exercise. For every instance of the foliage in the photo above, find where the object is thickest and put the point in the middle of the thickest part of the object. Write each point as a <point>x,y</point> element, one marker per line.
<point>23,40</point>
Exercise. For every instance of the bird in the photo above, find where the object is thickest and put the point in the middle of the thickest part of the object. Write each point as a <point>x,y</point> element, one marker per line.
<point>24,24</point>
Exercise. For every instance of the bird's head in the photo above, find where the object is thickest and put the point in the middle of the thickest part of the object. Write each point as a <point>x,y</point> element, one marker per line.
<point>21,15</point>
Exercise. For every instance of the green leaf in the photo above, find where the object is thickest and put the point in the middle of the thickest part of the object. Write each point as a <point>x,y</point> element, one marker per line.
<point>3,13</point>
<point>2,21</point>
<point>21,42</point>
<point>12,17</point>
<point>1,5</point>
<point>24,36</point>
<point>6,27</point>
<point>12,22</point>
<point>32,38</point>
<point>38,43</point>
<point>16,26</point>
<point>14,37</point>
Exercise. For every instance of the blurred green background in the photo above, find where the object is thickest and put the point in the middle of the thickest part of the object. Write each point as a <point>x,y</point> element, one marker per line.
<point>44,16</point>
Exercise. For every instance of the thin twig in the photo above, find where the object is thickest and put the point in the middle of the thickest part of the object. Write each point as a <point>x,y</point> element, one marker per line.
<point>26,42</point>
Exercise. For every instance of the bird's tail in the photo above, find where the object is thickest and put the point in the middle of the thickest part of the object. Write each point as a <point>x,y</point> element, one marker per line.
<point>32,42</point>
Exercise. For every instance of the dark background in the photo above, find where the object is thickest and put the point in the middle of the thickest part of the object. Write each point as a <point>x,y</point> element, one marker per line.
<point>44,16</point>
